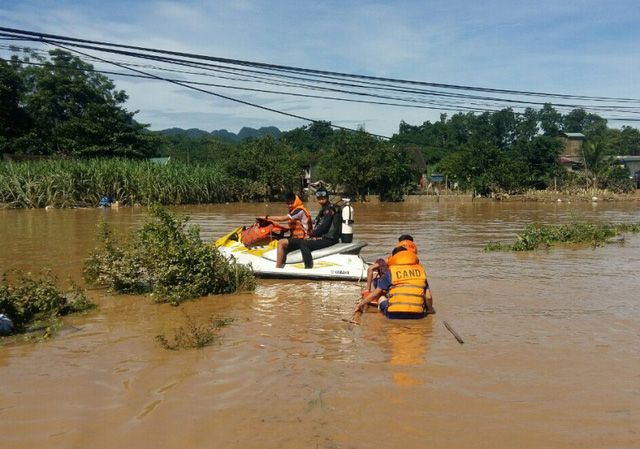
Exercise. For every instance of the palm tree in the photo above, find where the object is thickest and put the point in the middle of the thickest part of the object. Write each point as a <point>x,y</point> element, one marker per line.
<point>597,160</point>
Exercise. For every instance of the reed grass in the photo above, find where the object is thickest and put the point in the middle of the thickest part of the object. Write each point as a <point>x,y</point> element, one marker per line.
<point>82,183</point>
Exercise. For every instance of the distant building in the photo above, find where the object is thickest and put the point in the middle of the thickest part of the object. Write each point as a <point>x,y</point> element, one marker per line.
<point>632,163</point>
<point>572,143</point>
<point>571,163</point>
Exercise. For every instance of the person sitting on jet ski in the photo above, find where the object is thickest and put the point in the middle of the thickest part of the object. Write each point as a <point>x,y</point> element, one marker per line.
<point>298,218</point>
<point>326,232</point>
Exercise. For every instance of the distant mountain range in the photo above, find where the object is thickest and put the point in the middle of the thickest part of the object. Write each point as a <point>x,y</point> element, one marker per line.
<point>225,135</point>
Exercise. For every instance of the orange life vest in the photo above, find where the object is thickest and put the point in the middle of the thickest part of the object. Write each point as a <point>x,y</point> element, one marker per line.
<point>295,226</point>
<point>408,283</point>
<point>261,233</point>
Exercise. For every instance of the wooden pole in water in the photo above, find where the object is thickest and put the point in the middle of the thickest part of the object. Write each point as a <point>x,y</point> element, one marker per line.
<point>455,334</point>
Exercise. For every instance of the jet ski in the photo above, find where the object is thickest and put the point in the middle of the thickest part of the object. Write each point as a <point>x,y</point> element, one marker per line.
<point>257,246</point>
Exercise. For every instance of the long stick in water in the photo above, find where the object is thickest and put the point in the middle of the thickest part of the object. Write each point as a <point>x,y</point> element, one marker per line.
<point>351,321</point>
<point>455,334</point>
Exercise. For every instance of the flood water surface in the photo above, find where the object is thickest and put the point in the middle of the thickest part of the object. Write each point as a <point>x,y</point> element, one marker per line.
<point>549,360</point>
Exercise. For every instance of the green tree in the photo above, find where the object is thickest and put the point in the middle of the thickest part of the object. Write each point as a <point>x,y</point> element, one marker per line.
<point>580,121</point>
<point>76,111</point>
<point>12,116</point>
<point>550,120</point>
<point>267,160</point>
<point>360,164</point>
<point>201,149</point>
<point>313,137</point>
<point>14,121</point>
<point>484,168</point>
<point>505,127</point>
<point>527,127</point>
<point>540,154</point>
<point>625,141</point>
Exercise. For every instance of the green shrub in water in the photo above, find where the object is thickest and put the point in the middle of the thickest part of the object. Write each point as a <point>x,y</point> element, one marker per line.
<point>166,259</point>
<point>536,236</point>
<point>32,298</point>
<point>195,335</point>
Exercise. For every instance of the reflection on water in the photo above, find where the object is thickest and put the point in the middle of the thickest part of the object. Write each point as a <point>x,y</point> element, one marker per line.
<point>409,343</point>
<point>549,360</point>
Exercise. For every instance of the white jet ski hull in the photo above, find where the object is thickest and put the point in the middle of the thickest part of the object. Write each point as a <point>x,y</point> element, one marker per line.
<point>338,262</point>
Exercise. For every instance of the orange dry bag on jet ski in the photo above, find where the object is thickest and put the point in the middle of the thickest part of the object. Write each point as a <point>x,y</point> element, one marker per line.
<point>262,232</point>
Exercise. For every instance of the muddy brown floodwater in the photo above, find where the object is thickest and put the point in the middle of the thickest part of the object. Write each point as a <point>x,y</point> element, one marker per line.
<point>550,358</point>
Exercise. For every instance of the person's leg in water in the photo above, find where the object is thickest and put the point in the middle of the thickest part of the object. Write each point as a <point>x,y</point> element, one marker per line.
<point>313,244</point>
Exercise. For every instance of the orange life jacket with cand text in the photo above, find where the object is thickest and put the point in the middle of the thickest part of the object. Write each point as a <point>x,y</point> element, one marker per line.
<point>408,283</point>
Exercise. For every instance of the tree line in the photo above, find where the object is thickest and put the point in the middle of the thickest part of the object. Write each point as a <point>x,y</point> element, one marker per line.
<point>60,106</point>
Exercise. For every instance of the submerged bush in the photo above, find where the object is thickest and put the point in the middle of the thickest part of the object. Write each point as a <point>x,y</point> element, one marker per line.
<point>194,335</point>
<point>37,298</point>
<point>166,259</point>
<point>536,236</point>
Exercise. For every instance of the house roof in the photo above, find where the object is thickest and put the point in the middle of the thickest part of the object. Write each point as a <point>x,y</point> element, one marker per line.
<point>570,159</point>
<point>574,135</point>
<point>628,158</point>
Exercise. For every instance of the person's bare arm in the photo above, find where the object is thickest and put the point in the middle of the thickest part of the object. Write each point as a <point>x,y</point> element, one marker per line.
<point>367,299</point>
<point>428,299</point>
<point>370,271</point>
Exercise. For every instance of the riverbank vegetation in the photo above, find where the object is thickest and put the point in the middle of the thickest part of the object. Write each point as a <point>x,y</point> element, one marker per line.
<point>61,107</point>
<point>35,300</point>
<point>166,259</point>
<point>541,237</point>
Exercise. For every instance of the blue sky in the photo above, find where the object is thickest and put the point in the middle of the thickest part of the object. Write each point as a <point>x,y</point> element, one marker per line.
<point>568,47</point>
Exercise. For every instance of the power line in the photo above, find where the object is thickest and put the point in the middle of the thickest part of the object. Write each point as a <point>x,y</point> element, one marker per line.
<point>356,88</point>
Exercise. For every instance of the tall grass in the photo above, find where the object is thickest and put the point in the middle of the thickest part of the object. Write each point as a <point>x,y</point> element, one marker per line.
<point>82,183</point>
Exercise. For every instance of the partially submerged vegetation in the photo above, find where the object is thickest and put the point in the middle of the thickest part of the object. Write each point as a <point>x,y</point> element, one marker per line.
<point>167,260</point>
<point>570,195</point>
<point>194,335</point>
<point>36,301</point>
<point>536,236</point>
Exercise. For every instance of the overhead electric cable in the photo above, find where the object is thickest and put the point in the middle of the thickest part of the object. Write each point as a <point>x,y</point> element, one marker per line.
<point>224,96</point>
<point>383,91</point>
<point>53,38</point>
